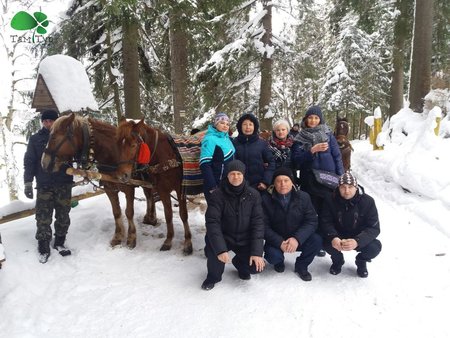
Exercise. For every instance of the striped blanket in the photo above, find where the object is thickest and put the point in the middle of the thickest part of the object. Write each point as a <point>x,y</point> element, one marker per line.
<point>189,149</point>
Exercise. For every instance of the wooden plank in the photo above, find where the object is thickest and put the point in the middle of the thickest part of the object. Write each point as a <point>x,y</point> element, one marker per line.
<point>29,212</point>
<point>93,175</point>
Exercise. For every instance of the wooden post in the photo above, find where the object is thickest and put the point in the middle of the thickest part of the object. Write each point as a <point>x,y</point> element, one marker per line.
<point>438,125</point>
<point>377,124</point>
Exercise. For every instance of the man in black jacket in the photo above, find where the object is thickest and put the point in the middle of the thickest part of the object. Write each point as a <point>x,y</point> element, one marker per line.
<point>290,223</point>
<point>53,192</point>
<point>349,221</point>
<point>234,221</point>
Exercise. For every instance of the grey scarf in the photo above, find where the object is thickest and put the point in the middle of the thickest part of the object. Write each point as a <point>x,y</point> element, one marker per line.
<point>308,137</point>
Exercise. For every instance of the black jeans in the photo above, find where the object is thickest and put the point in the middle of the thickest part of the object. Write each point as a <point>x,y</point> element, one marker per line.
<point>215,267</point>
<point>309,249</point>
<point>367,253</point>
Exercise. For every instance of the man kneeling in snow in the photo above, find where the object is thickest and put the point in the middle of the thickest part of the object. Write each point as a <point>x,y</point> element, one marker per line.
<point>234,221</point>
<point>349,221</point>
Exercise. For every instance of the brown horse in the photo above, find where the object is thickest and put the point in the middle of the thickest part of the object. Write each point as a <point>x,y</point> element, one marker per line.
<point>340,132</point>
<point>87,140</point>
<point>165,172</point>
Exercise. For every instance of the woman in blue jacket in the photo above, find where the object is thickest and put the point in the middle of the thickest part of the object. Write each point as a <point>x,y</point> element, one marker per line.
<point>216,151</point>
<point>254,152</point>
<point>315,147</point>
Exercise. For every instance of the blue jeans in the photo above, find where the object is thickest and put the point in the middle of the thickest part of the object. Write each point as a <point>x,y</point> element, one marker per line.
<point>309,250</point>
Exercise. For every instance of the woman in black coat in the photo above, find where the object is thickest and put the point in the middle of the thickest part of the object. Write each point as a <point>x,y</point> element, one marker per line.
<point>234,221</point>
<point>254,152</point>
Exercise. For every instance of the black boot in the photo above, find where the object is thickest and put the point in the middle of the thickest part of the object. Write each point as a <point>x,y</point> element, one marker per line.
<point>361,268</point>
<point>44,250</point>
<point>336,267</point>
<point>59,245</point>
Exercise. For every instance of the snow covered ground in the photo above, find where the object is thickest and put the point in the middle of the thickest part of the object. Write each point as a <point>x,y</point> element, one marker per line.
<point>104,292</point>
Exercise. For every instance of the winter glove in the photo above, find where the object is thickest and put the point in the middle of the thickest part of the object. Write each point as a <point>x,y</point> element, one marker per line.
<point>29,190</point>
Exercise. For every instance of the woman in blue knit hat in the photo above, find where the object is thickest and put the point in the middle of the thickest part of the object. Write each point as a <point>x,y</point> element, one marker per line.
<point>217,150</point>
<point>315,147</point>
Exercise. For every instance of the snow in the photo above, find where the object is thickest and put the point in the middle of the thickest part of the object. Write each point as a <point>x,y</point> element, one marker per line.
<point>64,74</point>
<point>99,291</point>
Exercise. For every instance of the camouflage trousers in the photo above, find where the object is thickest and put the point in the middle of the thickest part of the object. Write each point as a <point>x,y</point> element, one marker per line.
<point>48,199</point>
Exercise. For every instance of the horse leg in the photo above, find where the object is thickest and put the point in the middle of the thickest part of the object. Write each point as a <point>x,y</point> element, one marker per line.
<point>187,248</point>
<point>150,215</point>
<point>129,212</point>
<point>168,213</point>
<point>113,196</point>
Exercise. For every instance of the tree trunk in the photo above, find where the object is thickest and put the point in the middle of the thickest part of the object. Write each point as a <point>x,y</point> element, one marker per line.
<point>112,78</point>
<point>400,35</point>
<point>266,71</point>
<point>420,80</point>
<point>178,72</point>
<point>131,69</point>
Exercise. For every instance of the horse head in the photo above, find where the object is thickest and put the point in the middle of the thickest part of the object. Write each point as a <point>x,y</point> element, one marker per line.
<point>130,139</point>
<point>342,126</point>
<point>64,142</point>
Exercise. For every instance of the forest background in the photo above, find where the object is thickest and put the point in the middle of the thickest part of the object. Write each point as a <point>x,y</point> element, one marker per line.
<point>175,63</point>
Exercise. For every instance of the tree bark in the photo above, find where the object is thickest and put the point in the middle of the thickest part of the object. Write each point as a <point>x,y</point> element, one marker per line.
<point>420,80</point>
<point>131,69</point>
<point>400,36</point>
<point>112,78</point>
<point>266,71</point>
<point>179,65</point>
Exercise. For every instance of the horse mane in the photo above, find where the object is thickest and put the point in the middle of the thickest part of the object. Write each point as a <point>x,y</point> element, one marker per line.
<point>124,131</point>
<point>77,122</point>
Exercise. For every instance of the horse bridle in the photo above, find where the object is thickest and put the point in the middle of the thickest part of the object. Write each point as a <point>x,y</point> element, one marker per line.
<point>68,137</point>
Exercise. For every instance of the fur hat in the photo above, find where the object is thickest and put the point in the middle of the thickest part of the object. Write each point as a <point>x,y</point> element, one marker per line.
<point>348,178</point>
<point>314,110</point>
<point>250,117</point>
<point>220,117</point>
<point>279,123</point>
<point>49,115</point>
<point>283,171</point>
<point>236,165</point>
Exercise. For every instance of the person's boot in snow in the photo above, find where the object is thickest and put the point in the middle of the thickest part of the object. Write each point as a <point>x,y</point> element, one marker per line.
<point>44,250</point>
<point>361,268</point>
<point>59,246</point>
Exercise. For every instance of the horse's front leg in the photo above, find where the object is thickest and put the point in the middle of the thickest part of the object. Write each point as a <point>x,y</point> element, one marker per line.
<point>113,196</point>
<point>129,212</point>
<point>150,215</point>
<point>187,248</point>
<point>168,213</point>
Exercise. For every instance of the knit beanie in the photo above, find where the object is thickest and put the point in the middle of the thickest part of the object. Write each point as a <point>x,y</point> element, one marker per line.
<point>314,110</point>
<point>283,171</point>
<point>49,115</point>
<point>220,117</point>
<point>236,165</point>
<point>348,178</point>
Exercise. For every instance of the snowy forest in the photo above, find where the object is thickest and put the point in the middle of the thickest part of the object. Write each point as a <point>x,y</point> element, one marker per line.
<point>175,63</point>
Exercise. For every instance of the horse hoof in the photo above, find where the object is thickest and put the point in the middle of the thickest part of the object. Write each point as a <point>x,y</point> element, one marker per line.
<point>115,242</point>
<point>165,247</point>
<point>131,245</point>
<point>151,221</point>
<point>187,250</point>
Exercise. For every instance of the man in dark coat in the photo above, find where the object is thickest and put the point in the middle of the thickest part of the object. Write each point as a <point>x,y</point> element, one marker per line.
<point>234,221</point>
<point>53,192</point>
<point>349,221</point>
<point>290,223</point>
<point>254,152</point>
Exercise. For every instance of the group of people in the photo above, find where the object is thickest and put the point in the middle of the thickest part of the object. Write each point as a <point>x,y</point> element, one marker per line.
<point>259,208</point>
